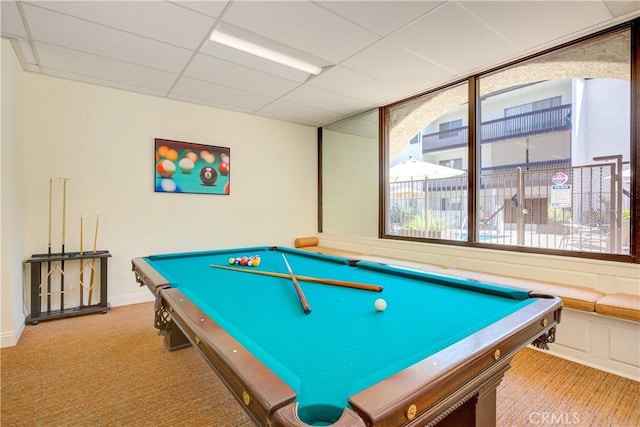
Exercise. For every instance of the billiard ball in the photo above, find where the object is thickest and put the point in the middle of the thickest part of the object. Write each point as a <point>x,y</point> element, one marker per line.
<point>171,154</point>
<point>186,165</point>
<point>167,185</point>
<point>162,150</point>
<point>208,175</point>
<point>207,156</point>
<point>232,261</point>
<point>380,304</point>
<point>191,156</point>
<point>166,168</point>
<point>224,168</point>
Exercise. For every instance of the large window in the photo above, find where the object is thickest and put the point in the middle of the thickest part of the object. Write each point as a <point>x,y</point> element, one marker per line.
<point>427,193</point>
<point>550,147</point>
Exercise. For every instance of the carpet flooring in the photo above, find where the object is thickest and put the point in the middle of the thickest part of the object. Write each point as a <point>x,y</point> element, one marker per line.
<point>113,370</point>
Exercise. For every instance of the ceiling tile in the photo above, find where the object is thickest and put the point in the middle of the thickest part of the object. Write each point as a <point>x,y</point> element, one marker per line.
<point>381,17</point>
<point>528,24</point>
<point>101,82</point>
<point>226,73</point>
<point>25,50</point>
<point>210,8</point>
<point>355,85</point>
<point>619,8</point>
<point>105,69</point>
<point>10,20</point>
<point>74,33</point>
<point>217,95</point>
<point>157,20</point>
<point>452,38</point>
<point>308,114</point>
<point>209,103</point>
<point>302,25</point>
<point>374,52</point>
<point>324,100</point>
<point>393,64</point>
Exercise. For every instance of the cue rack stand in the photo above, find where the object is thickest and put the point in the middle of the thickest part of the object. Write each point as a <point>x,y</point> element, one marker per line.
<point>78,266</point>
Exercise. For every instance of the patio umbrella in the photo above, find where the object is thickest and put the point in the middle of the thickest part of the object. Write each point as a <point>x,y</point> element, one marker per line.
<point>414,170</point>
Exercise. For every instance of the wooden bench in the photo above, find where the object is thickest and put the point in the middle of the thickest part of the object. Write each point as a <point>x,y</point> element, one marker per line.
<point>622,306</point>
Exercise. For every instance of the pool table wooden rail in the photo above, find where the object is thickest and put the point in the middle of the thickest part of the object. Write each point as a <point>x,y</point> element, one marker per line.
<point>147,276</point>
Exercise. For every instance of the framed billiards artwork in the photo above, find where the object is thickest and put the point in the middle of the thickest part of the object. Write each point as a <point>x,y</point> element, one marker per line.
<point>189,167</point>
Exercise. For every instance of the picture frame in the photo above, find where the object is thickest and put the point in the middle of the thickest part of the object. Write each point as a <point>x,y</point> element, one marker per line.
<point>190,167</point>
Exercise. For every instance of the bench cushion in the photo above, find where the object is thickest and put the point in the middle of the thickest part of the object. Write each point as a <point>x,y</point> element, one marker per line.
<point>619,305</point>
<point>616,305</point>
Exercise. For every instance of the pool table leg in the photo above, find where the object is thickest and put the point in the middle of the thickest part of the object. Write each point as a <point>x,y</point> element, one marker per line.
<point>479,411</point>
<point>176,339</point>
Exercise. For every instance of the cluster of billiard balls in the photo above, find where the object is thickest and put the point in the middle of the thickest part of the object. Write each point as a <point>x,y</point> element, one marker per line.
<point>251,261</point>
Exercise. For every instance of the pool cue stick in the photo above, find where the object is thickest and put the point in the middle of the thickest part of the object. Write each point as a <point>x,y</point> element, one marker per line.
<point>81,264</point>
<point>303,300</point>
<point>333,282</point>
<point>64,223</point>
<point>93,261</point>
<point>49,248</point>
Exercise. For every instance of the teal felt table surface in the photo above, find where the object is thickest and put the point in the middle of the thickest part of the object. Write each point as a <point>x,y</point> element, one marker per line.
<point>344,345</point>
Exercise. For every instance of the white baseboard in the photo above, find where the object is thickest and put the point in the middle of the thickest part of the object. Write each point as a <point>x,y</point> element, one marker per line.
<point>139,297</point>
<point>10,338</point>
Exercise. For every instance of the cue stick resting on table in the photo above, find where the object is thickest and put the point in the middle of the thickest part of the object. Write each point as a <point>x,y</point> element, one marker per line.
<point>303,299</point>
<point>333,282</point>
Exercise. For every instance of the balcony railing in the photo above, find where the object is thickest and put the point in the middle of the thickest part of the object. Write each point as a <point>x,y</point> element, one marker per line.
<point>548,120</point>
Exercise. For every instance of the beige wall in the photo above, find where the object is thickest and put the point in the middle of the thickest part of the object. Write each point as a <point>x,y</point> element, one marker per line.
<point>102,140</point>
<point>350,184</point>
<point>11,223</point>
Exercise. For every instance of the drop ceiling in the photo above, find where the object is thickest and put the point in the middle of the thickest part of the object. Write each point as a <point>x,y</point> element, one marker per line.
<point>372,52</point>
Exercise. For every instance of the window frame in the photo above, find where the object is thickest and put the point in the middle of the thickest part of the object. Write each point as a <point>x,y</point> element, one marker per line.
<point>473,153</point>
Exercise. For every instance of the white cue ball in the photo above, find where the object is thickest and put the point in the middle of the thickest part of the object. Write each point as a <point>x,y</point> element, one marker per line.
<point>380,304</point>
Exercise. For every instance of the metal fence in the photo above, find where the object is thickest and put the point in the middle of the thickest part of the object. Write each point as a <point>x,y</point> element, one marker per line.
<point>579,208</point>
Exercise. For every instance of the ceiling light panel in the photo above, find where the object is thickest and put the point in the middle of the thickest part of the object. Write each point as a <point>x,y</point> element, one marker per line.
<point>254,62</point>
<point>264,52</point>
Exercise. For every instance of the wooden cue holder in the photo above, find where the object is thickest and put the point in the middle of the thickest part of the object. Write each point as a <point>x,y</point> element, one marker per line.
<point>38,280</point>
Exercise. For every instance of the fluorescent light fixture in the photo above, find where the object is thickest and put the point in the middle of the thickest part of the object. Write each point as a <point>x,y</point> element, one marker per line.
<point>264,52</point>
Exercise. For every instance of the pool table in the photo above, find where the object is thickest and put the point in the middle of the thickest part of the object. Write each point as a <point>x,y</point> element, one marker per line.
<point>435,355</point>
